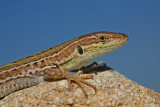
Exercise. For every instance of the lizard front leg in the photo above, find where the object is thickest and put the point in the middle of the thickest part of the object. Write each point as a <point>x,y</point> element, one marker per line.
<point>100,66</point>
<point>95,64</point>
<point>56,74</point>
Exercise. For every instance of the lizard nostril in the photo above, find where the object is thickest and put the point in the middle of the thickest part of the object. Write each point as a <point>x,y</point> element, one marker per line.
<point>125,36</point>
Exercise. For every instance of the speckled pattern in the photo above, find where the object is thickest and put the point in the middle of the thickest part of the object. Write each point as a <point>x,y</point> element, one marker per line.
<point>113,89</point>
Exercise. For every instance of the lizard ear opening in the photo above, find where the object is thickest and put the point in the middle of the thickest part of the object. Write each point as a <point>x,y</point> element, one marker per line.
<point>80,50</point>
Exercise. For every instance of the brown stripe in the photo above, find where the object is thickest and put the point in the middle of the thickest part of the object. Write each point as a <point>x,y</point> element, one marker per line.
<point>49,52</point>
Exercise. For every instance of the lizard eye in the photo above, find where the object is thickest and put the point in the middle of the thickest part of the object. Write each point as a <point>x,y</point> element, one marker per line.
<point>80,50</point>
<point>102,38</point>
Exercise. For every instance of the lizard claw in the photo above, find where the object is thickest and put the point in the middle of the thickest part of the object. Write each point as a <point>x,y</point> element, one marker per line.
<point>80,81</point>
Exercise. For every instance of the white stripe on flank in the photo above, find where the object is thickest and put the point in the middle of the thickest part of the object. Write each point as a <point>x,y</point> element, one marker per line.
<point>45,58</point>
<point>26,74</point>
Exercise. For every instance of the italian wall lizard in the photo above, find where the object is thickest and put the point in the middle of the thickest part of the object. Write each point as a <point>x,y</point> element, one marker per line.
<point>56,62</point>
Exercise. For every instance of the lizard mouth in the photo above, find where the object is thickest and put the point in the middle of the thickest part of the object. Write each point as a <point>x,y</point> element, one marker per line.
<point>113,47</point>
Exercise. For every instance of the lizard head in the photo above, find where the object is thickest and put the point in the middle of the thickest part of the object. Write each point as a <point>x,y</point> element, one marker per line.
<point>89,47</point>
<point>101,43</point>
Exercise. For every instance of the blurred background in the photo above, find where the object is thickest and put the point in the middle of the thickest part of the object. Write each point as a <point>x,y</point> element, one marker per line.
<point>28,27</point>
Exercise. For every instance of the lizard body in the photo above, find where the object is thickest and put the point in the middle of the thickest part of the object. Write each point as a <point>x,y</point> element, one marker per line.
<point>56,62</point>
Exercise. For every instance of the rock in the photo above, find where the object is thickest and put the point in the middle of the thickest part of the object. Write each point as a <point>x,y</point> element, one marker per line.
<point>113,89</point>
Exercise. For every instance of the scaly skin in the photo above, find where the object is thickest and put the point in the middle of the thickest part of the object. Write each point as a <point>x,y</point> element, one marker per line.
<point>56,62</point>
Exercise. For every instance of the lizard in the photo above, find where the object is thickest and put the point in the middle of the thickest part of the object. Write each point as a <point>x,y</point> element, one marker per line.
<point>56,62</point>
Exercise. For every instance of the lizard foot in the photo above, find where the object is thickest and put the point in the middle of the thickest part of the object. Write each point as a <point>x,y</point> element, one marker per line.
<point>79,79</point>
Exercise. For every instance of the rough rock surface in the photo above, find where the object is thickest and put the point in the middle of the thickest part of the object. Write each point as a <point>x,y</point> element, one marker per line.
<point>113,89</point>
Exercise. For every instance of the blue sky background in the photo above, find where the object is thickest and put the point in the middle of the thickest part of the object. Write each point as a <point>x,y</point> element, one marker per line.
<point>27,27</point>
